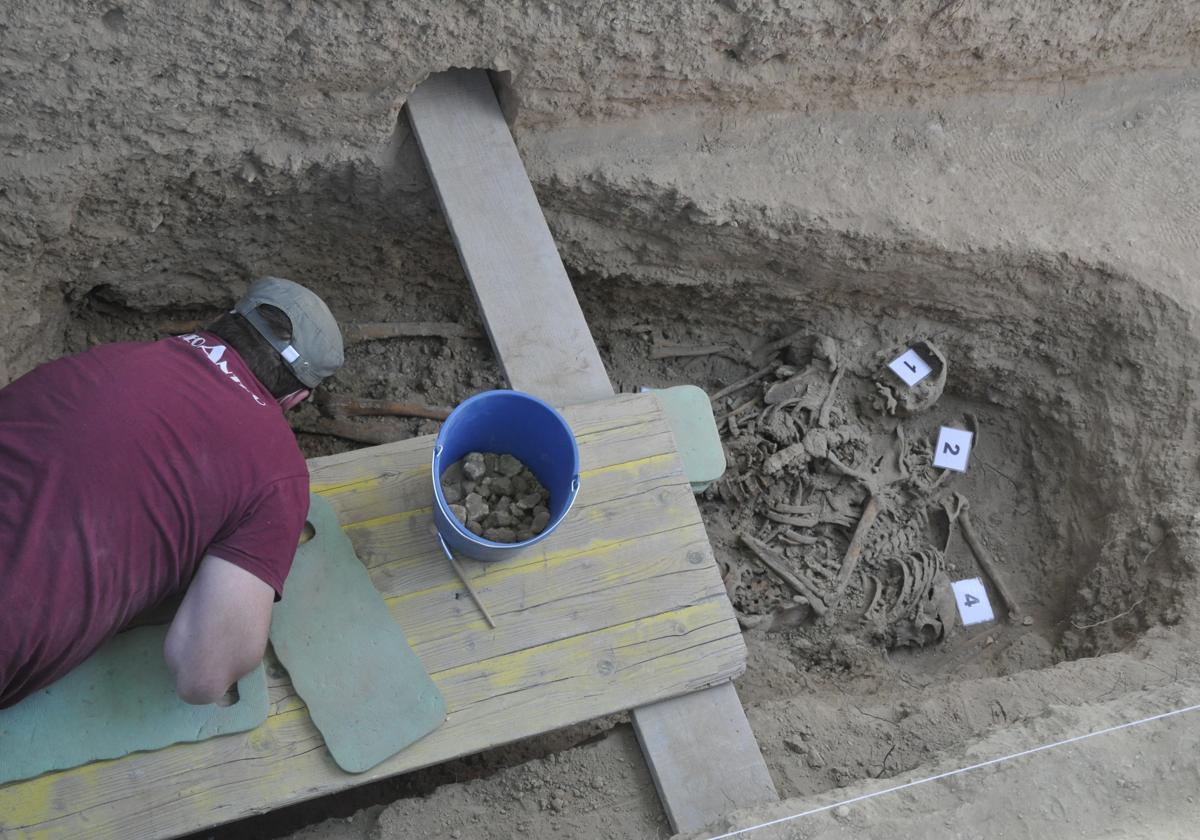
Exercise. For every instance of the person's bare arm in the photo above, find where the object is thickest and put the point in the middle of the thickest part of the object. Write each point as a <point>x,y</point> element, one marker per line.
<point>220,631</point>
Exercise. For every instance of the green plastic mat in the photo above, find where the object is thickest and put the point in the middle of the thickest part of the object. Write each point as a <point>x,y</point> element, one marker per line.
<point>690,415</point>
<point>348,659</point>
<point>119,701</point>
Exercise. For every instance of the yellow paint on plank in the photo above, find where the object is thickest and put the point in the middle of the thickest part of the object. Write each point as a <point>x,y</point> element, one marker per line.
<point>434,640</point>
<point>33,806</point>
<point>507,670</point>
<point>260,740</point>
<point>544,563</point>
<point>625,466</point>
<point>337,488</point>
<point>424,446</point>
<point>386,520</point>
<point>40,796</point>
<point>290,703</point>
<point>614,469</point>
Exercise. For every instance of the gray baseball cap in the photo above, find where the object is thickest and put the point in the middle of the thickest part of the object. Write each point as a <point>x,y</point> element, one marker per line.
<point>315,350</point>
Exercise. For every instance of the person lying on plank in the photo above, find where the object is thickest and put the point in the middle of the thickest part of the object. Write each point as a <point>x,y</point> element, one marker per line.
<point>133,473</point>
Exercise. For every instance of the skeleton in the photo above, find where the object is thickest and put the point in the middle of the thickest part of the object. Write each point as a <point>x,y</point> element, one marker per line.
<point>799,460</point>
<point>917,613</point>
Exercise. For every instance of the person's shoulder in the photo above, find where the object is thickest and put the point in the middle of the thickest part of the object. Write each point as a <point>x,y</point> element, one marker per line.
<point>272,445</point>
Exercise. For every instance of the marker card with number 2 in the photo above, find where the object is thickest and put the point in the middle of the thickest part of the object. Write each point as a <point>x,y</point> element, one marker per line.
<point>953,449</point>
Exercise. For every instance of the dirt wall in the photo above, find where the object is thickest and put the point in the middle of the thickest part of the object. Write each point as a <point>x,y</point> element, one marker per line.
<point>165,155</point>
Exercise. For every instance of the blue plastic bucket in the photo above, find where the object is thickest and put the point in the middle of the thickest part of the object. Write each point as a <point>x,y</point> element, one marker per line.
<point>522,426</point>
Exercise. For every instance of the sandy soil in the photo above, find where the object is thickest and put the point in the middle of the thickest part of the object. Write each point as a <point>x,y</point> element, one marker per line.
<point>1017,184</point>
<point>1135,783</point>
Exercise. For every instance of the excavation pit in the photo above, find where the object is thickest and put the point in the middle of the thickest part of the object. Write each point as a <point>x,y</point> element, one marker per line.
<point>1065,371</point>
<point>1080,375</point>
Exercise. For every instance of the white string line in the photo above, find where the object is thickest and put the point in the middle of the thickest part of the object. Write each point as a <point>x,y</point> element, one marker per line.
<point>949,773</point>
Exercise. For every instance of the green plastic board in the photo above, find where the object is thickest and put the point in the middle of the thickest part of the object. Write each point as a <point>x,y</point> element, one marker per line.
<point>348,659</point>
<point>689,413</point>
<point>119,701</point>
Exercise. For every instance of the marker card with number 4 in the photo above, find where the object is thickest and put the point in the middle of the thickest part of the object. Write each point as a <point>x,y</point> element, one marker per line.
<point>972,599</point>
<point>953,449</point>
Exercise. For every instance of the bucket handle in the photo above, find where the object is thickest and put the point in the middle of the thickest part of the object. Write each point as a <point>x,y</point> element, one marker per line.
<point>570,503</point>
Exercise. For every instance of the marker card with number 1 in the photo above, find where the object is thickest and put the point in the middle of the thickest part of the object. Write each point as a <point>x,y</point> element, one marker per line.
<point>910,367</point>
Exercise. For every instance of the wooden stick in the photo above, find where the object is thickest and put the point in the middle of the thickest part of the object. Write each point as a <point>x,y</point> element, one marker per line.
<point>670,351</point>
<point>771,560</point>
<point>742,383</point>
<point>363,407</point>
<point>349,430</point>
<point>355,333</point>
<point>470,589</point>
<point>372,331</point>
<point>855,549</point>
<point>986,564</point>
<point>733,412</point>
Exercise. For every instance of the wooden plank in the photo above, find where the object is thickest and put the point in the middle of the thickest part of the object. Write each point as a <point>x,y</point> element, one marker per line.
<point>531,312</point>
<point>547,349</point>
<point>621,606</point>
<point>694,792</point>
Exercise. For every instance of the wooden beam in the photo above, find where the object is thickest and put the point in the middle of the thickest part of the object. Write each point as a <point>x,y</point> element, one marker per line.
<point>700,749</point>
<point>531,312</point>
<point>702,756</point>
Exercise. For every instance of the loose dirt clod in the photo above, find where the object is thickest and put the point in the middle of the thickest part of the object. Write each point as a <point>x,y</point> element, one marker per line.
<point>496,497</point>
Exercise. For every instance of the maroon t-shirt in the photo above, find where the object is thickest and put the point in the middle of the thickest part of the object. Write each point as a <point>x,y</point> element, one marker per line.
<point>120,468</point>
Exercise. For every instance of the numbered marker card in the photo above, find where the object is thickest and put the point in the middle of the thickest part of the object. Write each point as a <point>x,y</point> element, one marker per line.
<point>972,600</point>
<point>953,449</point>
<point>910,367</point>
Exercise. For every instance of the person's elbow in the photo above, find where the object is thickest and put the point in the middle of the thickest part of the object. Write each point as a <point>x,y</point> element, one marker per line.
<point>200,685</point>
<point>199,692</point>
<point>200,689</point>
<point>219,632</point>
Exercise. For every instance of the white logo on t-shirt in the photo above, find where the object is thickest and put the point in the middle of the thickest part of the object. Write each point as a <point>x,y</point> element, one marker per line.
<point>215,354</point>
